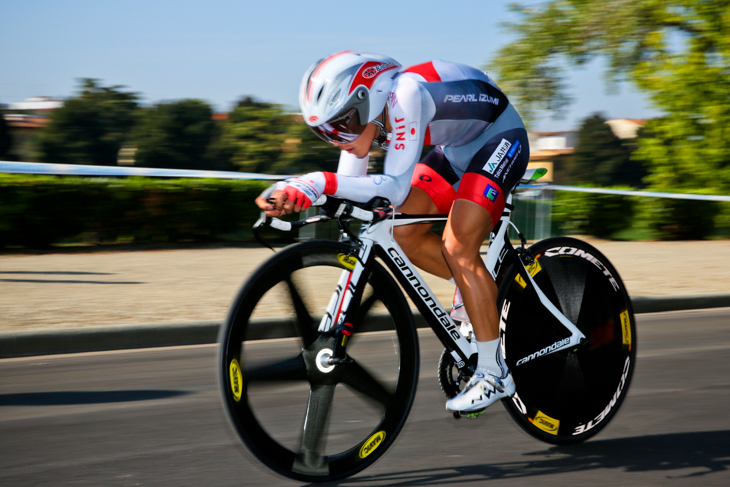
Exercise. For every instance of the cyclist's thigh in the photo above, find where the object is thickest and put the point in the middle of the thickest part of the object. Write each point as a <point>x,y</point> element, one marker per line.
<point>418,203</point>
<point>435,176</point>
<point>495,169</point>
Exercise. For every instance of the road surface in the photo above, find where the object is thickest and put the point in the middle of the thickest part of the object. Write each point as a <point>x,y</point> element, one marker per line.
<point>153,418</point>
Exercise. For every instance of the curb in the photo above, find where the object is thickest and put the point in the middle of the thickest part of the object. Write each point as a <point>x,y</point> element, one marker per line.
<point>121,337</point>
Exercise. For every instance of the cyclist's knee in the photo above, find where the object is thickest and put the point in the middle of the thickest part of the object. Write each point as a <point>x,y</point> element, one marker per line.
<point>468,226</point>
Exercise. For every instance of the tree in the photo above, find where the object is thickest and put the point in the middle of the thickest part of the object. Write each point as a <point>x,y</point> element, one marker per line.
<point>602,159</point>
<point>254,135</point>
<point>6,140</point>
<point>305,152</point>
<point>678,52</point>
<point>263,138</point>
<point>175,135</point>
<point>91,127</point>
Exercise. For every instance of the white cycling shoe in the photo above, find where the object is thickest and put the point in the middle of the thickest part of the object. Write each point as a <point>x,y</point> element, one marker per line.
<point>482,390</point>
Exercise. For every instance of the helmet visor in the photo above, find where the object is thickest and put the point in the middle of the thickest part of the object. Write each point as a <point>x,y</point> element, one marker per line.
<point>344,128</point>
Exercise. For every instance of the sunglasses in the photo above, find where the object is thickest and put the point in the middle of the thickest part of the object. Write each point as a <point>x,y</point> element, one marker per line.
<point>342,129</point>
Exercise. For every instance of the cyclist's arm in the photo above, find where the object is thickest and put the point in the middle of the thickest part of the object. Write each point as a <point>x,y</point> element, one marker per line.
<point>351,165</point>
<point>410,109</point>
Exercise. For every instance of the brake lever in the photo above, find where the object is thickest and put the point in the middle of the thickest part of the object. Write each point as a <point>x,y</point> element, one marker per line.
<point>263,221</point>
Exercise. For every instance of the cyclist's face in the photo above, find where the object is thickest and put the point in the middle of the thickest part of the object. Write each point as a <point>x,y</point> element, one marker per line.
<point>360,146</point>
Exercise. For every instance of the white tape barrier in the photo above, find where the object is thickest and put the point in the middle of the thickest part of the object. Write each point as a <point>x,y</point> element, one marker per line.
<point>80,170</point>
<point>650,194</point>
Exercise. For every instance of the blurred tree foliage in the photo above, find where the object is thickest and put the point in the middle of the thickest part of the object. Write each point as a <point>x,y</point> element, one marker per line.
<point>175,135</point>
<point>602,159</point>
<point>258,137</point>
<point>5,139</point>
<point>678,52</point>
<point>91,127</point>
<point>305,152</point>
<point>253,135</point>
<point>263,138</point>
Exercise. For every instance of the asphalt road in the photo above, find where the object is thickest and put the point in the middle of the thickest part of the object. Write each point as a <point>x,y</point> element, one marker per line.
<point>153,417</point>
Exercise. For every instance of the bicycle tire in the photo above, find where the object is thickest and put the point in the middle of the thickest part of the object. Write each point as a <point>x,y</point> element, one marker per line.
<point>571,395</point>
<point>262,385</point>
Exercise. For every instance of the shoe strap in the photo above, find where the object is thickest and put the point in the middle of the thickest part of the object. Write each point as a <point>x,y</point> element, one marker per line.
<point>495,382</point>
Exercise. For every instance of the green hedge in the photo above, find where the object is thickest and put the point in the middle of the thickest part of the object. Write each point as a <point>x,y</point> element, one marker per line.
<point>609,216</point>
<point>676,219</point>
<point>39,211</point>
<point>600,215</point>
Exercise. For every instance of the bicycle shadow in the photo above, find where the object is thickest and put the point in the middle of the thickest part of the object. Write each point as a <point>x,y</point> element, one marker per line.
<point>708,452</point>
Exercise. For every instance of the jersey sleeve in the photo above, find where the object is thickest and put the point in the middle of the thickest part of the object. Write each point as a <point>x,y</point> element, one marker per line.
<point>351,165</point>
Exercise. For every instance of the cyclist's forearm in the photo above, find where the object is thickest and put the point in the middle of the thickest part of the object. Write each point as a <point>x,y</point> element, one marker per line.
<point>363,188</point>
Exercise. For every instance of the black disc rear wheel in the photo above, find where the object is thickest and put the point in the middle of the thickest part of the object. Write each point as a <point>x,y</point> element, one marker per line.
<point>570,395</point>
<point>296,414</point>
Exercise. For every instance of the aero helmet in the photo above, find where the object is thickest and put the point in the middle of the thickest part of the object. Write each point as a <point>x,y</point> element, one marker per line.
<point>344,92</point>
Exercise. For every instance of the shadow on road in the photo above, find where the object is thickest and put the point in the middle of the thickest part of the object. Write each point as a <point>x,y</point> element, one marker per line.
<point>66,398</point>
<point>63,281</point>
<point>59,273</point>
<point>681,455</point>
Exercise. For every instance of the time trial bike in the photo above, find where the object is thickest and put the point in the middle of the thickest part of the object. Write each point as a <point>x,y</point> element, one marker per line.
<point>302,336</point>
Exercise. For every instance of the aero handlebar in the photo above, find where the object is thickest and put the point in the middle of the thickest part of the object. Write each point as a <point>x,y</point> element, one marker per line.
<point>332,208</point>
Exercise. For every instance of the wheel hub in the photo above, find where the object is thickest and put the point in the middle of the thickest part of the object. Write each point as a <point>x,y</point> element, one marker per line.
<point>323,361</point>
<point>318,361</point>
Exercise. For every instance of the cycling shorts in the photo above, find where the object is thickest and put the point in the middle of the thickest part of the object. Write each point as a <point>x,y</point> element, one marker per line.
<point>495,169</point>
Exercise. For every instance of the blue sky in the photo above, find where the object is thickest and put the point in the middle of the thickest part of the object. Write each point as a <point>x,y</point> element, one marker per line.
<point>219,51</point>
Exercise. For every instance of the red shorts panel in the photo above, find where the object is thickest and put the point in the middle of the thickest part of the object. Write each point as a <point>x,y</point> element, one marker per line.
<point>440,190</point>
<point>483,191</point>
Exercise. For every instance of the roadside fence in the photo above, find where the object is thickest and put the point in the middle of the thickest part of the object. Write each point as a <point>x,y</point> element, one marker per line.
<point>533,201</point>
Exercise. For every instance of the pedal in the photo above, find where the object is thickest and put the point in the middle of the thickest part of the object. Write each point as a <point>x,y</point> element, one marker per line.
<point>468,414</point>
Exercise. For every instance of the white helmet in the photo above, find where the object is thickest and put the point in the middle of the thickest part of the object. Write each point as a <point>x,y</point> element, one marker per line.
<point>341,94</point>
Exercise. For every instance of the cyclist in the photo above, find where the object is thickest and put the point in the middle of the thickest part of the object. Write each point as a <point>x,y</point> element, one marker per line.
<point>353,99</point>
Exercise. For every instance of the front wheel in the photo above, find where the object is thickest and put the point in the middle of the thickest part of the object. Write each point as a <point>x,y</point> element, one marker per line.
<point>570,395</point>
<point>297,414</point>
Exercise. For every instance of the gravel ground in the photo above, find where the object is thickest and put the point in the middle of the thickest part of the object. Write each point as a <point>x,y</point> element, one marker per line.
<point>96,288</point>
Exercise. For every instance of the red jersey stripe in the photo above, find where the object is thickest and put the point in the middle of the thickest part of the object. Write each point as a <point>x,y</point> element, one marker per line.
<point>426,70</point>
<point>330,183</point>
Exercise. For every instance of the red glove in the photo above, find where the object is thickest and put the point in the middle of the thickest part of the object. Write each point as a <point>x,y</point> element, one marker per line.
<point>305,190</point>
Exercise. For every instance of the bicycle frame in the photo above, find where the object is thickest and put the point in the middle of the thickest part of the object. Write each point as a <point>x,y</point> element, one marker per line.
<point>378,236</point>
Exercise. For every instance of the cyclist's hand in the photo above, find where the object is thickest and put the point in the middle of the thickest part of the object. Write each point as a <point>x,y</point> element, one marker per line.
<point>292,195</point>
<point>273,204</point>
<point>296,194</point>
<point>300,192</point>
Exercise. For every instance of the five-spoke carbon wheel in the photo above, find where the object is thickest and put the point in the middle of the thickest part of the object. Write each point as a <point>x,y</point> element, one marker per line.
<point>297,413</point>
<point>570,395</point>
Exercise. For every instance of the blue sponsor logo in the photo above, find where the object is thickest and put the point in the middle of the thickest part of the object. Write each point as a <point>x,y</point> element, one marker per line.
<point>513,149</point>
<point>491,193</point>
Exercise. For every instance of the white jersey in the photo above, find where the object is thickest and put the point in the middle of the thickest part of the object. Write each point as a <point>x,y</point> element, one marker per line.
<point>439,103</point>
